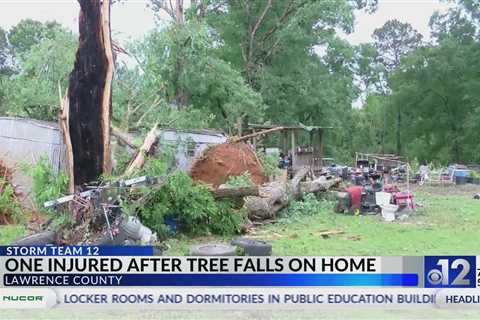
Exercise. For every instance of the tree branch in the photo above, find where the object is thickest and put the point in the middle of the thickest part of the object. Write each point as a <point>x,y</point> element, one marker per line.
<point>288,10</point>
<point>260,19</point>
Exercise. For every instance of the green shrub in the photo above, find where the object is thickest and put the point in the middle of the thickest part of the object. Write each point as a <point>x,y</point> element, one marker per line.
<point>269,163</point>
<point>62,220</point>
<point>475,174</point>
<point>191,204</point>
<point>8,206</point>
<point>226,220</point>
<point>157,165</point>
<point>243,180</point>
<point>308,206</point>
<point>122,159</point>
<point>47,185</point>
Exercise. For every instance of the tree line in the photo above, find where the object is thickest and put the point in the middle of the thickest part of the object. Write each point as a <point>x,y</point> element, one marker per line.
<point>220,63</point>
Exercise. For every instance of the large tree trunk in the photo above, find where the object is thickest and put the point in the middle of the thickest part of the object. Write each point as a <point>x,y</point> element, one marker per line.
<point>89,94</point>
<point>232,193</point>
<point>276,195</point>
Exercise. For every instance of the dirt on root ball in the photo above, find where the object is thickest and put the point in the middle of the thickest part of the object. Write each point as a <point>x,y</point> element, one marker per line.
<point>217,164</point>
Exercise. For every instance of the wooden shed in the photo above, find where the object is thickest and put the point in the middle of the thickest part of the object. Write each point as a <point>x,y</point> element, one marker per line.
<point>309,155</point>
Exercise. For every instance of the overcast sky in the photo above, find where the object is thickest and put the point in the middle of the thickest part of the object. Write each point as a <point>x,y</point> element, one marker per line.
<point>132,19</point>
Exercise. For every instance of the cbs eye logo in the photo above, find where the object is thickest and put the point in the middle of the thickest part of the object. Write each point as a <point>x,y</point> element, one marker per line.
<point>434,276</point>
<point>450,272</point>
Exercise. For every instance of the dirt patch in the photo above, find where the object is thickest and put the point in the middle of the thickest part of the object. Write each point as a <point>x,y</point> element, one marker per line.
<point>226,160</point>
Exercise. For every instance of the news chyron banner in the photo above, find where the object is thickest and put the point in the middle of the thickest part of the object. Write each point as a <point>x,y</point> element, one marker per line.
<point>133,277</point>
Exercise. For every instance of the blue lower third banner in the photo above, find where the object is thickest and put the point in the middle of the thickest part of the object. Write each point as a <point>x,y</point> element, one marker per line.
<point>38,251</point>
<point>214,280</point>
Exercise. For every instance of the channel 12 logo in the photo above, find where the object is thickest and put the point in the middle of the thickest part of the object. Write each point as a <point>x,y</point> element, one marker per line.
<point>450,271</point>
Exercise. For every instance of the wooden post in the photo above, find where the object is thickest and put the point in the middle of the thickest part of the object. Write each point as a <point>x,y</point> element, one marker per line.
<point>294,145</point>
<point>320,145</point>
<point>314,158</point>
<point>254,140</point>
<point>285,142</point>
<point>239,126</point>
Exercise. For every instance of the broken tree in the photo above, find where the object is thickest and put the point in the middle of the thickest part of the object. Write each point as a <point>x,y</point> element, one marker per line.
<point>276,195</point>
<point>147,147</point>
<point>89,94</point>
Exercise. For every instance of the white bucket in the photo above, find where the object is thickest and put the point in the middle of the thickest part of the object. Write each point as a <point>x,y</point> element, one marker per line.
<point>383,198</point>
<point>388,212</point>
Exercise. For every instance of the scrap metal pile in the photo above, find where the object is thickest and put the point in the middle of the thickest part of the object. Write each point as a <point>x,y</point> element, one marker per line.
<point>373,187</point>
<point>96,217</point>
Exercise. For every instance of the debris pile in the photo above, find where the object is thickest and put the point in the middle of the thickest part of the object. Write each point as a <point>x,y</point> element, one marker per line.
<point>226,160</point>
<point>97,218</point>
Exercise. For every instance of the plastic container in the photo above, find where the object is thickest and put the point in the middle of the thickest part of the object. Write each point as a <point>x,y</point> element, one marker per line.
<point>172,225</point>
<point>461,173</point>
<point>461,180</point>
<point>382,198</point>
<point>388,212</point>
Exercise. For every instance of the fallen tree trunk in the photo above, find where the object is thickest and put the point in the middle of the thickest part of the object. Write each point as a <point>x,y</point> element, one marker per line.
<point>235,192</point>
<point>273,197</point>
<point>319,185</point>
<point>276,195</point>
<point>89,94</point>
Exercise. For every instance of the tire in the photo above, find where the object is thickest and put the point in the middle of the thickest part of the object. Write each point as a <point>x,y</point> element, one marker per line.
<point>212,249</point>
<point>253,247</point>
<point>42,238</point>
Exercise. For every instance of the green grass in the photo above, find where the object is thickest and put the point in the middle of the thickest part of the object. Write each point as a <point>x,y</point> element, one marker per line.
<point>9,233</point>
<point>448,223</point>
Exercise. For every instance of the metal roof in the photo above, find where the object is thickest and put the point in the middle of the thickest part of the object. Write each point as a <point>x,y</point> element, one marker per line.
<point>40,123</point>
<point>287,127</point>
